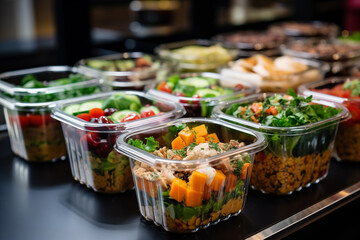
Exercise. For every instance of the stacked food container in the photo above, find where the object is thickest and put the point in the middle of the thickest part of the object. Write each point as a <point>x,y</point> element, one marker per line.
<point>191,173</point>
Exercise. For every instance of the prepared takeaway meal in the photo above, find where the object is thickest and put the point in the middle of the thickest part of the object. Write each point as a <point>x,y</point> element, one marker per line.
<point>346,91</point>
<point>191,173</point>
<point>28,97</point>
<point>275,75</point>
<point>133,70</point>
<point>300,134</point>
<point>197,55</point>
<point>91,126</point>
<point>253,42</point>
<point>340,56</point>
<point>200,92</point>
<point>314,30</point>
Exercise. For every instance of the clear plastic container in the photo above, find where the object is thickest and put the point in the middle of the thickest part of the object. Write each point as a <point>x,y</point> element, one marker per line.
<point>341,57</point>
<point>347,143</point>
<point>34,135</point>
<point>204,55</point>
<point>214,204</point>
<point>314,30</point>
<point>295,157</point>
<point>94,162</point>
<point>253,42</point>
<point>279,82</point>
<point>202,107</point>
<point>115,71</point>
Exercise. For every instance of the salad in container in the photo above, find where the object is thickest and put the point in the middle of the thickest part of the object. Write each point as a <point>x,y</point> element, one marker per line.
<point>191,173</point>
<point>200,92</point>
<point>300,132</point>
<point>127,71</point>
<point>275,74</point>
<point>345,91</point>
<point>28,97</point>
<point>197,55</point>
<point>91,125</point>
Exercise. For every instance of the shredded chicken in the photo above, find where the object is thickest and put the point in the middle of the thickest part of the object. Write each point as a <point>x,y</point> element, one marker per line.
<point>203,150</point>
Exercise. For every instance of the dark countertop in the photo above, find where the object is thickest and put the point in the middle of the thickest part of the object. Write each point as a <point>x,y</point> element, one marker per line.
<point>42,201</point>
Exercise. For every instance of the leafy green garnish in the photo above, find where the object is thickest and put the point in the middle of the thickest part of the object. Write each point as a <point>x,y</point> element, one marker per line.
<point>214,146</point>
<point>150,146</point>
<point>354,86</point>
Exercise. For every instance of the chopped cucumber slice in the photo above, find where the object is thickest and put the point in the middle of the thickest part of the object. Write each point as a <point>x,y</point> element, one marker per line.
<point>153,108</point>
<point>196,82</point>
<point>87,106</point>
<point>204,93</point>
<point>71,108</point>
<point>118,116</point>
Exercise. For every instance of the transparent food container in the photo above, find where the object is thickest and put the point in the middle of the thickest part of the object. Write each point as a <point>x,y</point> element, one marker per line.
<point>314,30</point>
<point>34,135</point>
<point>127,71</point>
<point>197,55</point>
<point>276,81</point>
<point>340,56</point>
<point>347,143</point>
<point>253,42</point>
<point>94,162</point>
<point>202,106</point>
<point>295,157</point>
<point>180,205</point>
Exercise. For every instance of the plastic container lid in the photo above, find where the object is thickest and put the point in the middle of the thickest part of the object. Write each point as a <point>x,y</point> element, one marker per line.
<point>130,78</point>
<point>175,111</point>
<point>298,130</point>
<point>123,147</point>
<point>195,60</point>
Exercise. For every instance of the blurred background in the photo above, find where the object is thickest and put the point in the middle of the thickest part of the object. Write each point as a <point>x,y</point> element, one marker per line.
<point>47,32</point>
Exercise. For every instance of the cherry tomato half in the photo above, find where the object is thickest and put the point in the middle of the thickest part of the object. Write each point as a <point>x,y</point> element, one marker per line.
<point>84,116</point>
<point>130,117</point>
<point>96,112</point>
<point>147,113</point>
<point>164,87</point>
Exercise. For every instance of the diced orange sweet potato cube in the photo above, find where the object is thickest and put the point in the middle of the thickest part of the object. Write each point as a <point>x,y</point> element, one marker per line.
<point>178,189</point>
<point>230,182</point>
<point>200,131</point>
<point>245,169</point>
<point>200,140</point>
<point>212,137</point>
<point>218,181</point>
<point>187,136</point>
<point>193,198</point>
<point>197,181</point>
<point>177,143</point>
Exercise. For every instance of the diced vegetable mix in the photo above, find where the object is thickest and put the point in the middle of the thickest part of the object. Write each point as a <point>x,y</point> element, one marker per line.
<point>347,142</point>
<point>130,64</point>
<point>291,161</point>
<point>197,197</point>
<point>196,87</point>
<point>110,171</point>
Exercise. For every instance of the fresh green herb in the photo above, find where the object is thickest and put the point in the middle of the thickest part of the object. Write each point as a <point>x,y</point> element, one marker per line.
<point>192,145</point>
<point>154,175</point>
<point>214,146</point>
<point>150,146</point>
<point>181,152</point>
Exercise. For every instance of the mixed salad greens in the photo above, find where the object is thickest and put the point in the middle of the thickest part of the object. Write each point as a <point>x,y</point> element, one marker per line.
<point>198,89</point>
<point>188,199</point>
<point>109,170</point>
<point>31,81</point>
<point>291,160</point>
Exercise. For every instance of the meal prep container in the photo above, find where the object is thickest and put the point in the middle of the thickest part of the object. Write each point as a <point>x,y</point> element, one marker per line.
<point>280,83</point>
<point>314,30</point>
<point>135,79</point>
<point>201,60</point>
<point>98,166</point>
<point>253,42</point>
<point>347,143</point>
<point>154,201</point>
<point>341,61</point>
<point>295,157</point>
<point>202,107</point>
<point>34,135</point>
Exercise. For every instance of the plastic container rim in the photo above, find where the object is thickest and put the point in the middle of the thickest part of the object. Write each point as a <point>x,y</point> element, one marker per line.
<point>123,147</point>
<point>78,123</point>
<point>342,116</point>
